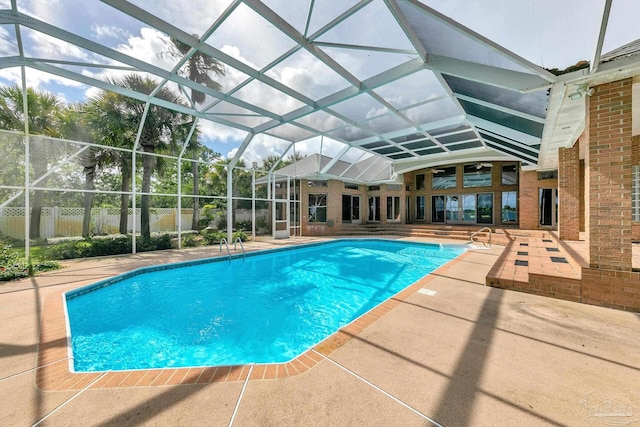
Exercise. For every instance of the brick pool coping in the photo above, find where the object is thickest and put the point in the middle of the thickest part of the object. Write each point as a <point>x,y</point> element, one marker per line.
<point>53,359</point>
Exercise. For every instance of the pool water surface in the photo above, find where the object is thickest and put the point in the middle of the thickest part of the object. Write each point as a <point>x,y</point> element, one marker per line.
<point>266,308</point>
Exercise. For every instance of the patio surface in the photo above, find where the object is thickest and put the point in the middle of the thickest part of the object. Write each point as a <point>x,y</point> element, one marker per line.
<point>467,355</point>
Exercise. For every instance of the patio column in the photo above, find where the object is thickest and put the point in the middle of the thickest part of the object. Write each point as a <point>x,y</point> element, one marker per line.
<point>569,192</point>
<point>609,164</point>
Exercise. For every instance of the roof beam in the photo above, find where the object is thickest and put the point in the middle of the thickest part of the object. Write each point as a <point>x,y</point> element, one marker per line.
<point>293,34</point>
<point>66,36</point>
<point>540,72</point>
<point>501,108</point>
<point>408,29</point>
<point>130,93</point>
<point>500,77</point>
<point>334,160</point>
<point>595,62</point>
<point>146,17</point>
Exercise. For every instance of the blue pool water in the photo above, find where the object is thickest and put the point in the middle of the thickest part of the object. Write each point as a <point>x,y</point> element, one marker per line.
<point>265,308</point>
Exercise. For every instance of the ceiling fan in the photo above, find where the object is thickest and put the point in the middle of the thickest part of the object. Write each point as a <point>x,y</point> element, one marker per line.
<point>435,170</point>
<point>481,165</point>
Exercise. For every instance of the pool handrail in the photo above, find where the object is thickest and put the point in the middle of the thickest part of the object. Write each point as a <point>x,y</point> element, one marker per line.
<point>224,240</point>
<point>238,239</point>
<point>473,235</point>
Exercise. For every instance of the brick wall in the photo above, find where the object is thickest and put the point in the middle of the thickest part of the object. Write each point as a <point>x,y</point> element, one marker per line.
<point>529,199</point>
<point>569,193</point>
<point>635,159</point>
<point>609,166</point>
<point>614,289</point>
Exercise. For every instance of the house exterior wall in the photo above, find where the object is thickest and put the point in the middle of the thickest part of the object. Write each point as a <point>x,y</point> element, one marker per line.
<point>610,166</point>
<point>495,189</point>
<point>334,191</point>
<point>609,280</point>
<point>530,187</point>
<point>569,193</point>
<point>635,159</point>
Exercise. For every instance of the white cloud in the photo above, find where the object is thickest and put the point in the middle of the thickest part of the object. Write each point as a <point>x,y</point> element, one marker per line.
<point>261,147</point>
<point>8,46</point>
<point>109,31</point>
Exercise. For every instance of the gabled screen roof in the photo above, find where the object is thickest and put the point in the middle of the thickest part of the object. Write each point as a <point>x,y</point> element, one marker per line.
<point>395,78</point>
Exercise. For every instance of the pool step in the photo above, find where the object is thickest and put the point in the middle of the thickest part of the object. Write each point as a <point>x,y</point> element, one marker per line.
<point>500,236</point>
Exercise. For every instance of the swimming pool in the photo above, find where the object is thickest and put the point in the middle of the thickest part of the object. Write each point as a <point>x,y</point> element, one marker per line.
<point>266,308</point>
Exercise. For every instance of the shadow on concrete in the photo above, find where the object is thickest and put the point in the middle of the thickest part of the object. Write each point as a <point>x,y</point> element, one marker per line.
<point>475,389</point>
<point>456,404</point>
<point>636,368</point>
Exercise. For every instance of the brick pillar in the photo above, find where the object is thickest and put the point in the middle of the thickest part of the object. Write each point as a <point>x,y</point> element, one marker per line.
<point>528,203</point>
<point>609,175</point>
<point>569,193</point>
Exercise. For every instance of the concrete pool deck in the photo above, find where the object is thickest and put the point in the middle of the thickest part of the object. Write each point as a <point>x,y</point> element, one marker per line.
<point>462,354</point>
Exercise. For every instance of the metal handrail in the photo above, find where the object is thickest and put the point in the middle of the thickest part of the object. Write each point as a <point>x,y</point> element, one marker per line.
<point>224,240</point>
<point>480,231</point>
<point>238,239</point>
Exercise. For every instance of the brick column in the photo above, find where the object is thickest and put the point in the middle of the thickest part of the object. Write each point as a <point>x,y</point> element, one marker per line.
<point>528,200</point>
<point>609,186</point>
<point>569,193</point>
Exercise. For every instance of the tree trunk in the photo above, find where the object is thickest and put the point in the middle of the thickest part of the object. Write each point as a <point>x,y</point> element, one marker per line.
<point>36,214</point>
<point>89,175</point>
<point>124,201</point>
<point>36,201</point>
<point>195,221</point>
<point>145,200</point>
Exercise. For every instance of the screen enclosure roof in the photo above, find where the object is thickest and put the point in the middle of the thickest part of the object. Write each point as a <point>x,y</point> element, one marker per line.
<point>394,79</point>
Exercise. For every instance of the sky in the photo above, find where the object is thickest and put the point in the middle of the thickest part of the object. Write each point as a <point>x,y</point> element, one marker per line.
<point>549,33</point>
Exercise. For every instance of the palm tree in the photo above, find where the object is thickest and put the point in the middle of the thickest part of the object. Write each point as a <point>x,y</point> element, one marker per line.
<point>198,68</point>
<point>116,119</point>
<point>160,130</point>
<point>74,127</point>
<point>103,114</point>
<point>43,109</point>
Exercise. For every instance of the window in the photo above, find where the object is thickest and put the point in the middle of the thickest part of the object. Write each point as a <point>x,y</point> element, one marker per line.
<point>547,175</point>
<point>420,208</point>
<point>444,178</point>
<point>437,208</point>
<point>509,207</point>
<point>317,208</point>
<point>393,208</point>
<point>350,208</point>
<point>394,187</point>
<point>316,183</point>
<point>374,188</point>
<point>635,194</point>
<point>477,175</point>
<point>420,182</point>
<point>548,204</point>
<point>351,186</point>
<point>509,174</point>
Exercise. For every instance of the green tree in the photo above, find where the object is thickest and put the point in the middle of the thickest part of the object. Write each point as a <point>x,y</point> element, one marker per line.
<point>73,126</point>
<point>104,115</point>
<point>43,110</point>
<point>199,68</point>
<point>161,130</point>
<point>119,118</point>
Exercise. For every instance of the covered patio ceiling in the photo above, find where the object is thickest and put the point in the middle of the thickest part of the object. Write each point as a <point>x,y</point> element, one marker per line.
<point>392,78</point>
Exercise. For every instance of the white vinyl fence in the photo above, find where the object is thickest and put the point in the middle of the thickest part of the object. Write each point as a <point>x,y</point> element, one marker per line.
<point>67,222</point>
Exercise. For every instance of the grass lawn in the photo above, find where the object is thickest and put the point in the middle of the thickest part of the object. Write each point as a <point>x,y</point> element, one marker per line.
<point>37,253</point>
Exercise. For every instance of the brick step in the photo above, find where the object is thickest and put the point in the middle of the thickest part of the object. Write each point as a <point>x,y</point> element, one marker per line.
<point>499,236</point>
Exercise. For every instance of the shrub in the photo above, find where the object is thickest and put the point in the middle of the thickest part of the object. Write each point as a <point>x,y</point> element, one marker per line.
<point>91,247</point>
<point>211,237</point>
<point>13,266</point>
<point>241,234</point>
<point>190,241</point>
<point>243,225</point>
